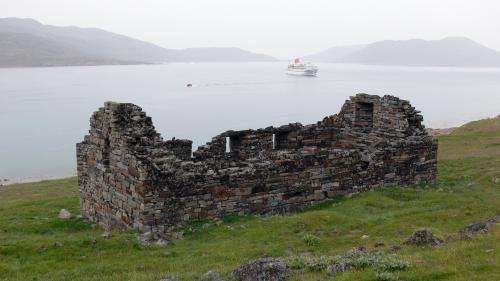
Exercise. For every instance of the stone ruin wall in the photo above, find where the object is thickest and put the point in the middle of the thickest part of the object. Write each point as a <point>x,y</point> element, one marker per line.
<point>129,177</point>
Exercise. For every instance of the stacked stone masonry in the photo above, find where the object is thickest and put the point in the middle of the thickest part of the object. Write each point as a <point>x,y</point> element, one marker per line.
<point>129,177</point>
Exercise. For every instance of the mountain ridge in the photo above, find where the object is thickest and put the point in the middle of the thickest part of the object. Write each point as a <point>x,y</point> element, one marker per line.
<point>94,46</point>
<point>72,45</point>
<point>29,50</point>
<point>449,51</point>
<point>334,53</point>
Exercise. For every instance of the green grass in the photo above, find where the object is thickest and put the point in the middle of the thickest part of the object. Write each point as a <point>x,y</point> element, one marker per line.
<point>475,139</point>
<point>465,192</point>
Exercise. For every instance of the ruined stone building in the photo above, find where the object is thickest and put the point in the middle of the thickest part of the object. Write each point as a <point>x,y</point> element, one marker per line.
<point>129,177</point>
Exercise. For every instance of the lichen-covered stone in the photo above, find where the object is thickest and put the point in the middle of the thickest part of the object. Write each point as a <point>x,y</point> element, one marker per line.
<point>355,252</point>
<point>424,237</point>
<point>211,276</point>
<point>129,177</point>
<point>477,227</point>
<point>265,269</point>
<point>64,214</point>
<point>338,267</point>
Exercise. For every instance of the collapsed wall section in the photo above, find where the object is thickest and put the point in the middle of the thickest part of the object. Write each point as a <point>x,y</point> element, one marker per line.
<point>130,177</point>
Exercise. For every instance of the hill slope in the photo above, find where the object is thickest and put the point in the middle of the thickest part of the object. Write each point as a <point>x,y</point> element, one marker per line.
<point>334,54</point>
<point>89,42</point>
<point>451,51</point>
<point>21,49</point>
<point>475,139</point>
<point>97,46</point>
<point>216,54</point>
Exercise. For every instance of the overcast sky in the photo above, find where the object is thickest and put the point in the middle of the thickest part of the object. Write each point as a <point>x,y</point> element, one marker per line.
<point>283,28</point>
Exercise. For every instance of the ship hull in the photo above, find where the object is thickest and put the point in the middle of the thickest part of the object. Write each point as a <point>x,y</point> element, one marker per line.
<point>302,72</point>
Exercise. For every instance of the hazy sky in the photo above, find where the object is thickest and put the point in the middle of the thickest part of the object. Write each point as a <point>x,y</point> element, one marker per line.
<point>282,28</point>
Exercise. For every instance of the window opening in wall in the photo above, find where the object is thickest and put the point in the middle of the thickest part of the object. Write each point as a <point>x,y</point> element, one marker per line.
<point>228,144</point>
<point>281,140</point>
<point>233,144</point>
<point>364,114</point>
<point>413,122</point>
<point>106,151</point>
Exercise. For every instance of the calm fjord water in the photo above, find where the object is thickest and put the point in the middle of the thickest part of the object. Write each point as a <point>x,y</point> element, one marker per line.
<point>45,111</point>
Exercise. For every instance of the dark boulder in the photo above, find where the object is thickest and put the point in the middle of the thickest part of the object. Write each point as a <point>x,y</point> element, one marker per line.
<point>338,267</point>
<point>394,248</point>
<point>345,264</point>
<point>264,269</point>
<point>354,252</point>
<point>495,219</point>
<point>424,238</point>
<point>477,227</point>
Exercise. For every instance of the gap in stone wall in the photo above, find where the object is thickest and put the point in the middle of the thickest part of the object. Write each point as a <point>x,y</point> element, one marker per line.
<point>235,144</point>
<point>281,140</point>
<point>364,114</point>
<point>228,144</point>
<point>106,153</point>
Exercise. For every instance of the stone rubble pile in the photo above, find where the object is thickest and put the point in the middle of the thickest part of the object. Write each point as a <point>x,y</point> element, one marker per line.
<point>424,237</point>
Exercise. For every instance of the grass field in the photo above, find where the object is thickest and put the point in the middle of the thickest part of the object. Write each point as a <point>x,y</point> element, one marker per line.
<point>36,245</point>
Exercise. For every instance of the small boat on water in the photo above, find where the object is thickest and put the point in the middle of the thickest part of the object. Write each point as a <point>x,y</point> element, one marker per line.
<point>303,69</point>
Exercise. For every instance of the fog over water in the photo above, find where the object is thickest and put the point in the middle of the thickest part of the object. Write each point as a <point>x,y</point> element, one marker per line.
<point>45,111</point>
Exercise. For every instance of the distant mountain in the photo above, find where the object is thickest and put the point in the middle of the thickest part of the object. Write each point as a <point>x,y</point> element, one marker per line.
<point>334,54</point>
<point>216,54</point>
<point>26,42</point>
<point>96,44</point>
<point>22,50</point>
<point>451,51</point>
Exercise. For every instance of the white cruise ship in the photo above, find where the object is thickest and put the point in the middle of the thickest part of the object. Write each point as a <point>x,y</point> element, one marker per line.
<point>299,68</point>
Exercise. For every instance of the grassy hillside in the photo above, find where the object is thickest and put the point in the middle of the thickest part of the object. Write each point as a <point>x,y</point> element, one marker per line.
<point>35,245</point>
<point>475,139</point>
